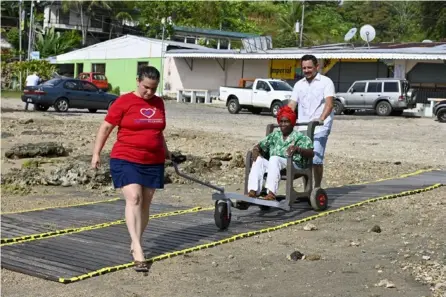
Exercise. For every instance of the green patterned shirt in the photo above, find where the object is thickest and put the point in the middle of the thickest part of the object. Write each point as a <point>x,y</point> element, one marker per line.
<point>275,145</point>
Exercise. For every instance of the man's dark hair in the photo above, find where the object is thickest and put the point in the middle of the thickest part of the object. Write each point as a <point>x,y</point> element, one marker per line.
<point>308,58</point>
<point>149,72</point>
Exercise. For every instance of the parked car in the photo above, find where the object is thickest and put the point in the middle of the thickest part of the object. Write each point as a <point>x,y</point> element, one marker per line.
<point>65,93</point>
<point>440,111</point>
<point>96,78</point>
<point>262,94</point>
<point>384,95</point>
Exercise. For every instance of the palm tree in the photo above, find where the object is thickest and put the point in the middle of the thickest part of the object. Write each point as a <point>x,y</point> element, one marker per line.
<point>86,9</point>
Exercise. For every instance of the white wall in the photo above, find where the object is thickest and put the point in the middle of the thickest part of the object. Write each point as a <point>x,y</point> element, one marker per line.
<point>207,73</point>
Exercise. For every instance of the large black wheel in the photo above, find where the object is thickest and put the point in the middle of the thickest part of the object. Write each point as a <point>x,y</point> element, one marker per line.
<point>61,105</point>
<point>319,199</point>
<point>233,106</point>
<point>441,116</point>
<point>222,217</point>
<point>338,107</point>
<point>383,108</point>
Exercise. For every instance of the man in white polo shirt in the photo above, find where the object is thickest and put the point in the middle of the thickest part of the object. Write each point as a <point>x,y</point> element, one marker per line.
<point>314,95</point>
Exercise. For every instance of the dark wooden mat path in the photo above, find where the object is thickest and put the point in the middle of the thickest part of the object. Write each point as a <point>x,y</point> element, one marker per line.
<point>73,257</point>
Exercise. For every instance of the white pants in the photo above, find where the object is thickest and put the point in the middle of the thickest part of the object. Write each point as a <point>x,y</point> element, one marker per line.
<point>262,166</point>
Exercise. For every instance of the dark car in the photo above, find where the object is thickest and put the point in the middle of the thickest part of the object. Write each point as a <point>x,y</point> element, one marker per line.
<point>65,93</point>
<point>440,111</point>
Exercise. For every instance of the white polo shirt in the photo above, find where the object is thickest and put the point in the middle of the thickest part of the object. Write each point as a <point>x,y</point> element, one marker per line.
<point>32,80</point>
<point>310,98</point>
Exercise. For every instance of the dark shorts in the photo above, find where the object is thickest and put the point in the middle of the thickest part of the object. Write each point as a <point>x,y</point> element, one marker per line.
<point>147,175</point>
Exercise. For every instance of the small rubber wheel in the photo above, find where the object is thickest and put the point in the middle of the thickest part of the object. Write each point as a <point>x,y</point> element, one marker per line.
<point>319,199</point>
<point>222,217</point>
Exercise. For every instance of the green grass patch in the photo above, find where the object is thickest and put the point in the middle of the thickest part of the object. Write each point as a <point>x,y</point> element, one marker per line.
<point>11,94</point>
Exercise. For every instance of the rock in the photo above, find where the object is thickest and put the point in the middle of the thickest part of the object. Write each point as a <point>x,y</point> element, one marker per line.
<point>221,156</point>
<point>26,121</point>
<point>231,256</point>
<point>214,264</point>
<point>313,257</point>
<point>426,258</point>
<point>354,243</point>
<point>397,163</point>
<point>40,132</point>
<point>439,286</point>
<point>237,161</point>
<point>29,176</point>
<point>294,256</point>
<point>385,283</point>
<point>6,134</point>
<point>310,227</point>
<point>376,229</point>
<point>32,150</point>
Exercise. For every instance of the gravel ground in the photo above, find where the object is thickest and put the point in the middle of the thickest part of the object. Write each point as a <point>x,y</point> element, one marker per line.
<point>361,148</point>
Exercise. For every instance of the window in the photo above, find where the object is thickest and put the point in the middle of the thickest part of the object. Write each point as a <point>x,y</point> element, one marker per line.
<point>88,87</point>
<point>71,85</point>
<point>97,76</point>
<point>98,68</point>
<point>391,87</point>
<point>358,87</point>
<point>141,64</point>
<point>52,82</point>
<point>280,86</point>
<point>261,85</point>
<point>374,87</point>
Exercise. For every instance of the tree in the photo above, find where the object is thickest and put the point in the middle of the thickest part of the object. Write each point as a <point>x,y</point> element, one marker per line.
<point>50,43</point>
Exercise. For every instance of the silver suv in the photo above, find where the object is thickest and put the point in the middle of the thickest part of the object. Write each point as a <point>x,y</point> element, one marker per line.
<point>384,95</point>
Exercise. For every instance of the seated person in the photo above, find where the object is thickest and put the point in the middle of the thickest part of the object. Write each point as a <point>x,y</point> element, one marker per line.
<point>278,145</point>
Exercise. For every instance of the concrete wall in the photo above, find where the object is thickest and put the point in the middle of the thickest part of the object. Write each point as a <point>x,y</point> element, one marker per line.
<point>207,73</point>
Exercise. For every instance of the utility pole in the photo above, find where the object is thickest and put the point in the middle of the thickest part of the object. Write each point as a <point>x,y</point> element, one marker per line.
<point>31,22</point>
<point>302,23</point>
<point>21,20</point>
<point>163,22</point>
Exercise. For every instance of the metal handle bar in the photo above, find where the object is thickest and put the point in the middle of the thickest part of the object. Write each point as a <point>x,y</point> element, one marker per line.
<point>175,165</point>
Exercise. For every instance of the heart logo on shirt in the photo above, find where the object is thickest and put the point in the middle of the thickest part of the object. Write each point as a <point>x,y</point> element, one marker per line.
<point>148,112</point>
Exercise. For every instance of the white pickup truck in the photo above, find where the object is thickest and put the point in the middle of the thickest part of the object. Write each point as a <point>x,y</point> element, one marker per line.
<point>263,94</point>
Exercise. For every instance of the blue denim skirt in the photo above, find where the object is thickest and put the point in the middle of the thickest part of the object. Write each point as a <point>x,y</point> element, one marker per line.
<point>147,175</point>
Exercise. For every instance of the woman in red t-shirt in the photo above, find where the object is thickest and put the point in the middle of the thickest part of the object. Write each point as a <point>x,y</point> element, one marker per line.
<point>138,156</point>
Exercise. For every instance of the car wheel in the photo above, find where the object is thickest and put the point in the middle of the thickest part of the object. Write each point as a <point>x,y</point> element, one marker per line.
<point>383,108</point>
<point>275,108</point>
<point>92,110</point>
<point>338,107</point>
<point>441,116</point>
<point>61,105</point>
<point>41,107</point>
<point>233,106</point>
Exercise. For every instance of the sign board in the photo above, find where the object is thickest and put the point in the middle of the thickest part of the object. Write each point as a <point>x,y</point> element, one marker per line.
<point>35,56</point>
<point>284,69</point>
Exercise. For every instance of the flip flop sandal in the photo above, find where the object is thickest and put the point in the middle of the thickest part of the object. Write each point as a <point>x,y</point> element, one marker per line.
<point>269,197</point>
<point>141,266</point>
<point>252,194</point>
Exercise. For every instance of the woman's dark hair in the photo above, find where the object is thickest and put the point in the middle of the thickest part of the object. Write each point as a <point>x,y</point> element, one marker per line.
<point>308,58</point>
<point>149,72</point>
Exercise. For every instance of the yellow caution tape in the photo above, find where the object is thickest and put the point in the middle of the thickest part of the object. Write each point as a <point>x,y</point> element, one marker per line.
<point>245,235</point>
<point>64,206</point>
<point>32,237</point>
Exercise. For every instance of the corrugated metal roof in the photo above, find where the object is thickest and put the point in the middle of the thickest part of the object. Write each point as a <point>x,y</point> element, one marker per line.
<point>412,53</point>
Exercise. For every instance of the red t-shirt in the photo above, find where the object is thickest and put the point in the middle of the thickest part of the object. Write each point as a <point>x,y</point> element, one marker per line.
<point>140,133</point>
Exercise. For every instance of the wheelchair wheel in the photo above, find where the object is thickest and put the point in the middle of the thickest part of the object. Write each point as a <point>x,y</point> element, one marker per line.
<point>319,199</point>
<point>222,217</point>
